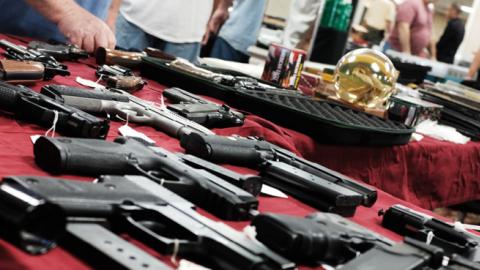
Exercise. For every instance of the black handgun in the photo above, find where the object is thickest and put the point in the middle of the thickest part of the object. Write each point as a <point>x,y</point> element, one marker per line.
<point>129,156</point>
<point>409,255</point>
<point>408,222</point>
<point>21,53</point>
<point>155,216</point>
<point>31,106</point>
<point>120,77</point>
<point>318,238</point>
<point>58,50</point>
<point>202,111</point>
<point>325,238</point>
<point>308,181</point>
<point>36,225</point>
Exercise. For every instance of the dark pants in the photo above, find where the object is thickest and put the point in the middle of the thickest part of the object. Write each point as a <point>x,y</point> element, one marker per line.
<point>374,36</point>
<point>222,50</point>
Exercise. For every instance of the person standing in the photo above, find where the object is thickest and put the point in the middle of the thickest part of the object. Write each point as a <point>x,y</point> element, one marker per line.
<point>379,19</point>
<point>300,23</point>
<point>176,27</point>
<point>452,36</point>
<point>412,33</point>
<point>79,22</point>
<point>240,31</point>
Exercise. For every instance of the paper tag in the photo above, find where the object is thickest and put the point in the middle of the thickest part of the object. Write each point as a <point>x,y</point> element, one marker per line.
<point>271,191</point>
<point>127,131</point>
<point>34,138</point>
<point>188,265</point>
<point>250,232</point>
<point>89,83</point>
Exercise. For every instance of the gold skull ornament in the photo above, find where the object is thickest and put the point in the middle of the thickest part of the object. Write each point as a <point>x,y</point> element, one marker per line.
<point>366,78</point>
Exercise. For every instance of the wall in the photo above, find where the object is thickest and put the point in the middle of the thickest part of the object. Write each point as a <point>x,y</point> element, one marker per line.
<point>278,8</point>
<point>471,42</point>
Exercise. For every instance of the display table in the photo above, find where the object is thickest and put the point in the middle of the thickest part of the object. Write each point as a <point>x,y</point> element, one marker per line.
<point>16,158</point>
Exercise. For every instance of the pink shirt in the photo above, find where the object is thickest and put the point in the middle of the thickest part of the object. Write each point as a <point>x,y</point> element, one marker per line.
<point>419,17</point>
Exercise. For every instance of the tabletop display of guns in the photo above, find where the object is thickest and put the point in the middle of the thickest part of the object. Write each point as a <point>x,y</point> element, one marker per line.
<point>310,182</point>
<point>408,222</point>
<point>21,53</point>
<point>28,105</point>
<point>120,78</point>
<point>129,156</point>
<point>123,105</point>
<point>59,51</point>
<point>140,208</point>
<point>36,225</point>
<point>202,111</point>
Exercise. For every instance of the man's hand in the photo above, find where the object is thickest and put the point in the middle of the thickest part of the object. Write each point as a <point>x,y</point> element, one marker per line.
<point>77,24</point>
<point>218,18</point>
<point>85,30</point>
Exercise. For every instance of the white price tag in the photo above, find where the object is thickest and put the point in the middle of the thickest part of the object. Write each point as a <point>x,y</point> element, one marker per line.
<point>89,83</point>
<point>188,265</point>
<point>127,131</point>
<point>34,138</point>
<point>271,191</point>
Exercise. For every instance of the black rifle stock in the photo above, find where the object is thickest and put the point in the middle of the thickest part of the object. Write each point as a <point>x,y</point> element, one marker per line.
<point>129,156</point>
<point>123,105</point>
<point>202,111</point>
<point>31,106</point>
<point>316,185</point>
<point>157,217</point>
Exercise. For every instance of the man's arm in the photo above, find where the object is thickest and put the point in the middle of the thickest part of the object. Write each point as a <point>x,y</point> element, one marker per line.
<point>433,50</point>
<point>112,13</point>
<point>77,24</point>
<point>404,37</point>
<point>474,66</point>
<point>219,16</point>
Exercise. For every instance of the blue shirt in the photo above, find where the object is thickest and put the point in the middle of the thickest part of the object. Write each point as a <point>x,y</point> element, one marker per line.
<point>242,27</point>
<point>18,18</point>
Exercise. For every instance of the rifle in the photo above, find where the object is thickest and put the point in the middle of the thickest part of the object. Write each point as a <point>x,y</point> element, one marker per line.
<point>51,66</point>
<point>31,106</point>
<point>120,78</point>
<point>36,225</point>
<point>129,156</point>
<point>308,181</point>
<point>157,217</point>
<point>408,222</point>
<point>58,50</point>
<point>123,105</point>
<point>202,111</point>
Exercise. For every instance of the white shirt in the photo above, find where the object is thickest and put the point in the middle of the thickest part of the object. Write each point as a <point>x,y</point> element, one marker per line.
<point>379,12</point>
<point>178,21</point>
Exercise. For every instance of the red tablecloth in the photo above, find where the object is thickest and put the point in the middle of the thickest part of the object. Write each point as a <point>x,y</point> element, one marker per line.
<point>16,158</point>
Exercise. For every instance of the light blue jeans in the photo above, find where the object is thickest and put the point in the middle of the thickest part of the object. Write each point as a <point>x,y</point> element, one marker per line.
<point>131,37</point>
